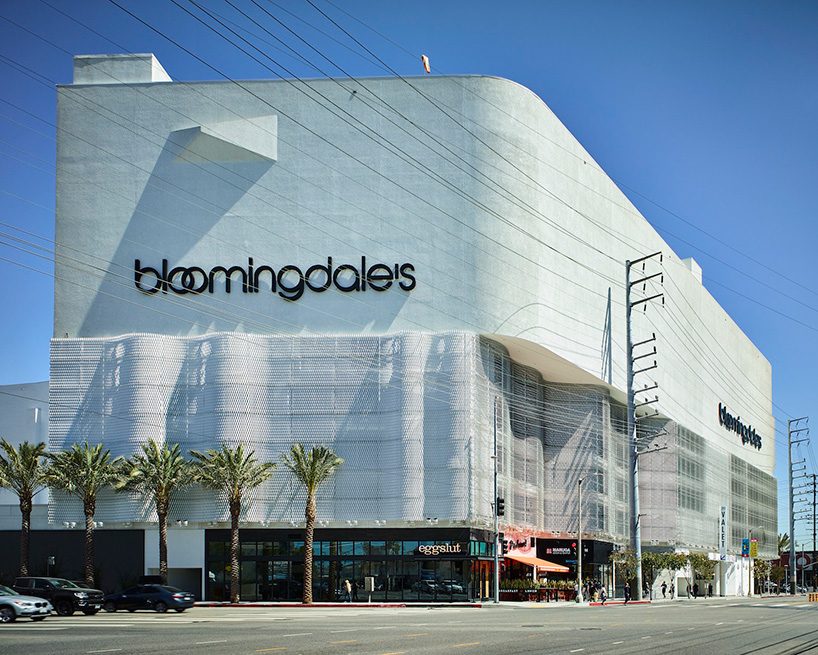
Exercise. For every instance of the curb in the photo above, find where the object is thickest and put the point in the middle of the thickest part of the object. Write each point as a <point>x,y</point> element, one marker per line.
<point>618,602</point>
<point>268,605</point>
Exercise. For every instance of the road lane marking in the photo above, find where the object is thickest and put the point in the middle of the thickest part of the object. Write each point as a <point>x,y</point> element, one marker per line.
<point>805,605</point>
<point>416,634</point>
<point>270,650</point>
<point>646,637</point>
<point>105,650</point>
<point>215,641</point>
<point>576,650</point>
<point>28,627</point>
<point>298,634</point>
<point>616,643</point>
<point>347,630</point>
<point>383,627</point>
<point>397,652</point>
<point>470,643</point>
<point>691,628</point>
<point>669,633</point>
<point>345,641</point>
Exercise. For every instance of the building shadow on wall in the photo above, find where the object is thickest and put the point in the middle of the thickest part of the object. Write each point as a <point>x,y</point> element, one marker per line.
<point>180,203</point>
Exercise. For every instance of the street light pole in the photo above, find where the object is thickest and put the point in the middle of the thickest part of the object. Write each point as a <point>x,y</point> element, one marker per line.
<point>496,517</point>
<point>579,542</point>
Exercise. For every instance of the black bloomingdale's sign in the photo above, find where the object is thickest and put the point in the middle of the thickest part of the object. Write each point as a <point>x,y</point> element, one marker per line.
<point>289,281</point>
<point>733,423</point>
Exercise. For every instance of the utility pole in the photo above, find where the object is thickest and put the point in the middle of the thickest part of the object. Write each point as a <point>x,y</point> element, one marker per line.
<point>813,476</point>
<point>633,450</point>
<point>795,427</point>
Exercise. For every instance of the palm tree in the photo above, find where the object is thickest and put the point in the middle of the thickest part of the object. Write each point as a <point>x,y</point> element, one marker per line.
<point>156,472</point>
<point>83,471</point>
<point>21,470</point>
<point>232,471</point>
<point>312,468</point>
<point>783,542</point>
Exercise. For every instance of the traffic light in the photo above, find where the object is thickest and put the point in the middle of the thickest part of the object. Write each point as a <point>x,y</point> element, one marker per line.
<point>505,547</point>
<point>501,506</point>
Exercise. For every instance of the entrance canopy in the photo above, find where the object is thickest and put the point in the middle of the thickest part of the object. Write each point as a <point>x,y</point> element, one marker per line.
<point>541,564</point>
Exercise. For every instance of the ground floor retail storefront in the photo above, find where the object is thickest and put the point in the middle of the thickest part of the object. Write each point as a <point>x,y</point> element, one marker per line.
<point>444,565</point>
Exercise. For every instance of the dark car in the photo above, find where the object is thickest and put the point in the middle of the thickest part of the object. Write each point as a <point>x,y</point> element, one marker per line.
<point>149,597</point>
<point>14,606</point>
<point>65,596</point>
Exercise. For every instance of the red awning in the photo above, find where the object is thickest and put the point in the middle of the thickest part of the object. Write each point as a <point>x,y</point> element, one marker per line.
<point>541,564</point>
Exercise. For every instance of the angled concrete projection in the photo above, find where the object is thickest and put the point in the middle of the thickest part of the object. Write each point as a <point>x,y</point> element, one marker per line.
<point>248,140</point>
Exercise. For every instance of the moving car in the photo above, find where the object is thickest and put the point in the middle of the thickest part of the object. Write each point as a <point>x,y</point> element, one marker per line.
<point>156,597</point>
<point>14,605</point>
<point>64,595</point>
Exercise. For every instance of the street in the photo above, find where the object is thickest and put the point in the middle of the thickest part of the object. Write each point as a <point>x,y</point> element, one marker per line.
<point>712,626</point>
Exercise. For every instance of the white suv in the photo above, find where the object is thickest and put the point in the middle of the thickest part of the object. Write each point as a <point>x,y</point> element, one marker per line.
<point>14,606</point>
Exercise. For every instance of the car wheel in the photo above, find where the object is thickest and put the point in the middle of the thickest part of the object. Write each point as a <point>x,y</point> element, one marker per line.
<point>64,608</point>
<point>89,612</point>
<point>38,618</point>
<point>109,606</point>
<point>7,615</point>
<point>161,607</point>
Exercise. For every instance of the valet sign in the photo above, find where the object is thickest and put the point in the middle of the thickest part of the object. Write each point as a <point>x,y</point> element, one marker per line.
<point>723,533</point>
<point>289,282</point>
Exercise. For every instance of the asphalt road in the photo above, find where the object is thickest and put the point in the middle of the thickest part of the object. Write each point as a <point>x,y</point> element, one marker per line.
<point>711,627</point>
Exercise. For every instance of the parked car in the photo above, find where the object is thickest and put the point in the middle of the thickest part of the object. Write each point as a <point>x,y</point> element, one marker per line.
<point>14,605</point>
<point>425,586</point>
<point>451,586</point>
<point>156,597</point>
<point>64,595</point>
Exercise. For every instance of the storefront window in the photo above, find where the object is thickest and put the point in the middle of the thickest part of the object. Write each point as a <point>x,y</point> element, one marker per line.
<point>377,548</point>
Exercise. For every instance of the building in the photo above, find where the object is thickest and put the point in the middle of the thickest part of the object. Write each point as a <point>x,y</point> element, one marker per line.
<point>396,268</point>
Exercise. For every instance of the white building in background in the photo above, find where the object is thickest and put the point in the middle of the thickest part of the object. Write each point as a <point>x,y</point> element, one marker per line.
<point>376,265</point>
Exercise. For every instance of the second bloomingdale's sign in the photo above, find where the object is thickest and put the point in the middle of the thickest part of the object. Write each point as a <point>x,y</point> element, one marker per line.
<point>289,282</point>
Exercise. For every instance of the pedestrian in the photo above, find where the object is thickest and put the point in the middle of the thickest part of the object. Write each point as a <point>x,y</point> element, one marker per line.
<point>627,592</point>
<point>695,590</point>
<point>688,590</point>
<point>354,590</point>
<point>347,591</point>
<point>672,590</point>
<point>602,595</point>
<point>664,589</point>
<point>710,590</point>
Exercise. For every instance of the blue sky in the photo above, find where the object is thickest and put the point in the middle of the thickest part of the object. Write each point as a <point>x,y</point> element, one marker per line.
<point>703,112</point>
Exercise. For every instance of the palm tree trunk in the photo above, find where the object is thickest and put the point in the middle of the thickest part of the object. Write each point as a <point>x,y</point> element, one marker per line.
<point>25,532</point>
<point>162,514</point>
<point>235,510</point>
<point>309,532</point>
<point>89,508</point>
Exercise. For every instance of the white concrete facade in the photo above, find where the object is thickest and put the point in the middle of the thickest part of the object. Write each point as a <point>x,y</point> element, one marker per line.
<point>490,222</point>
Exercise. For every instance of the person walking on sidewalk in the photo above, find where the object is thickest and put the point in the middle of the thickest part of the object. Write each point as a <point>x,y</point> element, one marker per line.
<point>627,592</point>
<point>603,596</point>
<point>672,590</point>
<point>664,589</point>
<point>347,591</point>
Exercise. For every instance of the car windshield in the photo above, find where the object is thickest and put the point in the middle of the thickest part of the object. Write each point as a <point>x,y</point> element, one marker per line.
<point>171,589</point>
<point>5,591</point>
<point>62,584</point>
